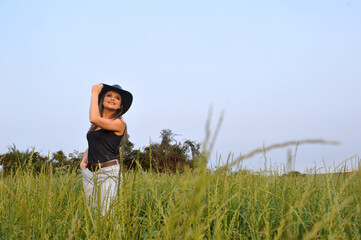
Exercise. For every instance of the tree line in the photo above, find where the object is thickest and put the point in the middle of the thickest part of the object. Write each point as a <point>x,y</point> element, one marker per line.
<point>169,155</point>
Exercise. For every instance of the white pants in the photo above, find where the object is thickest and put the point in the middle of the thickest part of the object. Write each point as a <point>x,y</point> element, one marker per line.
<point>101,187</point>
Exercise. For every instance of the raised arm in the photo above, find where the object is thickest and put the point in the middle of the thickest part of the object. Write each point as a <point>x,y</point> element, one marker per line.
<point>94,116</point>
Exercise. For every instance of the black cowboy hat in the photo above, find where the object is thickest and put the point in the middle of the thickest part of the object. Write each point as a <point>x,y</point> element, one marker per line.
<point>127,97</point>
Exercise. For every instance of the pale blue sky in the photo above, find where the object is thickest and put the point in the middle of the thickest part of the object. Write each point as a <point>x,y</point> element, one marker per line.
<point>281,70</point>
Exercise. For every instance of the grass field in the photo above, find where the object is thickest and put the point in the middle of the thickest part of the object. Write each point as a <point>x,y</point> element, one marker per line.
<point>195,205</point>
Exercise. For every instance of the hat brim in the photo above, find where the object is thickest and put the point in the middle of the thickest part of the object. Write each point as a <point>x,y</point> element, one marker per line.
<point>127,97</point>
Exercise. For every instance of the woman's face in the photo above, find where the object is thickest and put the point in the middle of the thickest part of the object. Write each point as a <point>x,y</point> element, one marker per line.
<point>112,100</point>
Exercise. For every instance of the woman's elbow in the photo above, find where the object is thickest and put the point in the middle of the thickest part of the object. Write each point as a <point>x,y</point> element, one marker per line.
<point>93,120</point>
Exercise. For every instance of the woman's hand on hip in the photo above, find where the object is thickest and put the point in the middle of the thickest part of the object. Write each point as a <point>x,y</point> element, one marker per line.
<point>97,88</point>
<point>83,165</point>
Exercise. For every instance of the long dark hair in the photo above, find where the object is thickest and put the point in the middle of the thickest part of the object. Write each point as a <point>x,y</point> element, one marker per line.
<point>117,114</point>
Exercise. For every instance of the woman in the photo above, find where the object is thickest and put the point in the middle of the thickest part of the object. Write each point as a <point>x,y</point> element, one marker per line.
<point>100,165</point>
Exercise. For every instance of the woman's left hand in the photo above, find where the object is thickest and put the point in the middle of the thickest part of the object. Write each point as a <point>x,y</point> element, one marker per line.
<point>97,88</point>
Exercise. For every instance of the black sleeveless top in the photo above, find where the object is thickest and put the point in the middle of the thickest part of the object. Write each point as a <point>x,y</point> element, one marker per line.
<point>103,146</point>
